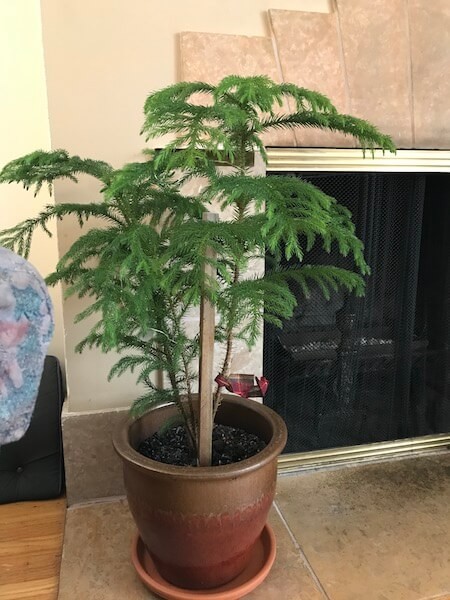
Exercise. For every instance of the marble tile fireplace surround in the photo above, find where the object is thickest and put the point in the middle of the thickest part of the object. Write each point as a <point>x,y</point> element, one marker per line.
<point>383,60</point>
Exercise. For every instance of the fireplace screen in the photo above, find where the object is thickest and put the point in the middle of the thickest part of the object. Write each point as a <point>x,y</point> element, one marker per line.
<point>353,370</point>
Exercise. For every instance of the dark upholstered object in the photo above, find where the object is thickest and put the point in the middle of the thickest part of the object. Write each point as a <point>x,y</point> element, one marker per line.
<point>32,468</point>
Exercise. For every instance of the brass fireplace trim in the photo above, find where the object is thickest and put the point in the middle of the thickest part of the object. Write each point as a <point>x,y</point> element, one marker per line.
<point>352,159</point>
<point>288,463</point>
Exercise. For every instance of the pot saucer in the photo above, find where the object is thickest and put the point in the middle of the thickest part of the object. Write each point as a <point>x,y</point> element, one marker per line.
<point>253,575</point>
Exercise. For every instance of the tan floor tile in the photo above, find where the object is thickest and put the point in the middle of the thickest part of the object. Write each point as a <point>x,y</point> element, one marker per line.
<point>96,555</point>
<point>289,578</point>
<point>93,470</point>
<point>375,532</point>
<point>96,560</point>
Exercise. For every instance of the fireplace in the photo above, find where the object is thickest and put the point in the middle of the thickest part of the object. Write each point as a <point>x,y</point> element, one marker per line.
<point>350,371</point>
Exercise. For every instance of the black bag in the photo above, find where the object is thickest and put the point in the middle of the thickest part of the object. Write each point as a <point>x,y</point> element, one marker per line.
<point>32,468</point>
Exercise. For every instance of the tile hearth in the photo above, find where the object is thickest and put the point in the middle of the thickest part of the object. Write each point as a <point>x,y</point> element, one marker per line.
<point>379,532</point>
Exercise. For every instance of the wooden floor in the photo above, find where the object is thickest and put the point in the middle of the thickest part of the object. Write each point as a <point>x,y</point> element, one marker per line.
<point>31,538</point>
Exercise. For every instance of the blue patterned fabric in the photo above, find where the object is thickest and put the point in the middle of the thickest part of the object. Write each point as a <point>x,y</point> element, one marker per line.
<point>26,328</point>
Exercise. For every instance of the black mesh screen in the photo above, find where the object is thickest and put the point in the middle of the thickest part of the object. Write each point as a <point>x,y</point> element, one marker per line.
<point>358,370</point>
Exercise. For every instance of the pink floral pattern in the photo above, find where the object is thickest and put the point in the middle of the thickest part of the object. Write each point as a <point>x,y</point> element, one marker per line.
<point>26,328</point>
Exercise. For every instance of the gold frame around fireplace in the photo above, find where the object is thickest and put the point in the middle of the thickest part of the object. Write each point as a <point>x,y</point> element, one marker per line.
<point>351,159</point>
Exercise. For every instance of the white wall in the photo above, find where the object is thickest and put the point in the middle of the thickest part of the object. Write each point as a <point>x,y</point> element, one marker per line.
<point>24,126</point>
<point>103,58</point>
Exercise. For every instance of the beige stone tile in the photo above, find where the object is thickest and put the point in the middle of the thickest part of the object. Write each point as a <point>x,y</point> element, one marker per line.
<point>212,56</point>
<point>376,51</point>
<point>93,470</point>
<point>310,56</point>
<point>374,532</point>
<point>430,49</point>
<point>96,559</point>
<point>290,577</point>
<point>96,562</point>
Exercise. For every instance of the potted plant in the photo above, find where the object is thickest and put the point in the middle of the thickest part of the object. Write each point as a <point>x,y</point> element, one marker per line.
<point>156,257</point>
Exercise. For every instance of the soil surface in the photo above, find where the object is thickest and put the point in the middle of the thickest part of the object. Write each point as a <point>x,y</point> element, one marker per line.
<point>229,444</point>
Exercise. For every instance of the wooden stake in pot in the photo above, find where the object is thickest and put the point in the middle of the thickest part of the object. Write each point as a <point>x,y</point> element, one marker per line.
<point>207,328</point>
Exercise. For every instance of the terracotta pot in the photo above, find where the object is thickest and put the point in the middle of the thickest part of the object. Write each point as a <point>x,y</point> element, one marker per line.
<point>200,524</point>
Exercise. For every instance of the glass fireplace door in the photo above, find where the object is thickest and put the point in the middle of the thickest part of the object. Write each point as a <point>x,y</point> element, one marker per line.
<point>350,371</point>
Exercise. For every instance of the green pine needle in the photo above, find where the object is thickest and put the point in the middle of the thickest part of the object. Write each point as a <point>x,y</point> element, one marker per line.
<point>141,261</point>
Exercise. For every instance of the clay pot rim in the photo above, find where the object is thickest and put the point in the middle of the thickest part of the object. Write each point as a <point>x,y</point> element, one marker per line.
<point>279,436</point>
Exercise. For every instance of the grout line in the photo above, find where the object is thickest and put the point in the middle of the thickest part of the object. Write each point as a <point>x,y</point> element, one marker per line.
<point>279,67</point>
<point>300,551</point>
<point>410,74</point>
<point>94,501</point>
<point>67,413</point>
<point>348,99</point>
<point>348,94</point>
